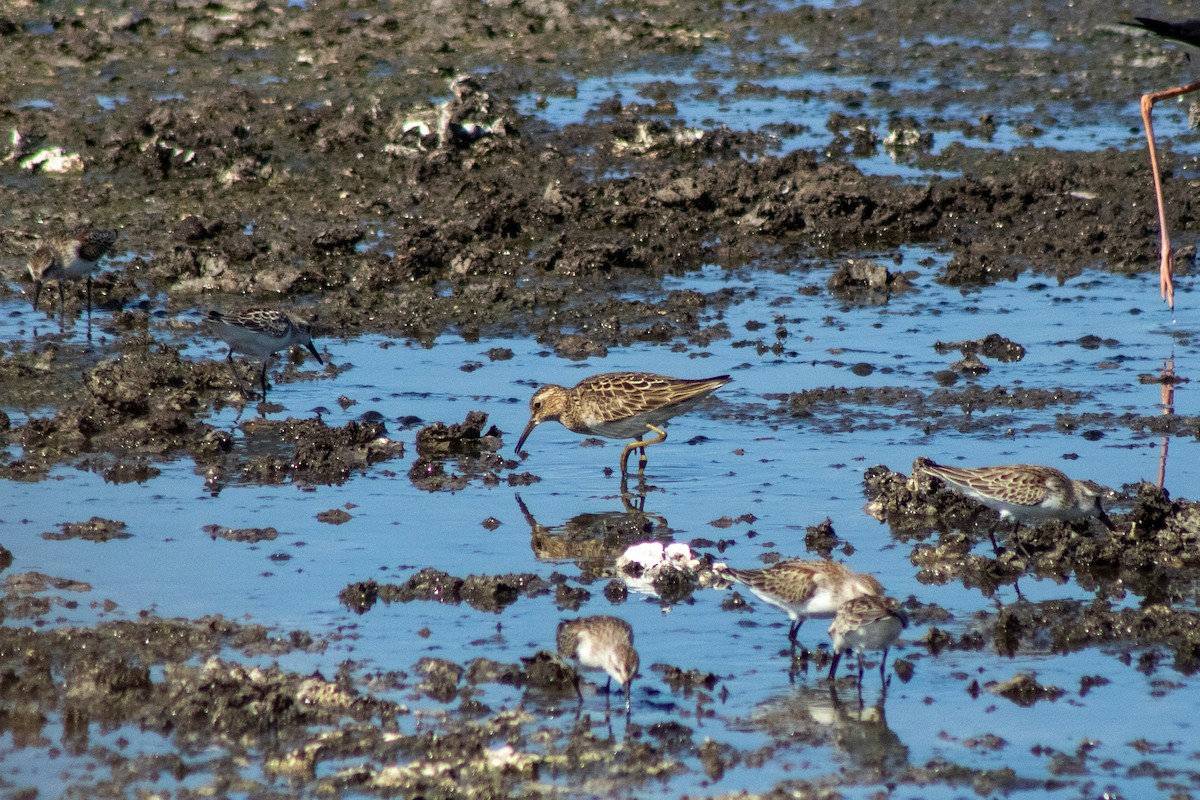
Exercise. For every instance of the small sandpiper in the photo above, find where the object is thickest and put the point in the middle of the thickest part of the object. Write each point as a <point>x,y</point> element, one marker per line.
<point>619,405</point>
<point>870,622</point>
<point>73,256</point>
<point>261,332</point>
<point>1025,493</point>
<point>600,643</point>
<point>804,589</point>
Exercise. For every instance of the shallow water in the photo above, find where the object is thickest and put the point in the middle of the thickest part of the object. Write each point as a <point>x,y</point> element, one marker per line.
<point>788,473</point>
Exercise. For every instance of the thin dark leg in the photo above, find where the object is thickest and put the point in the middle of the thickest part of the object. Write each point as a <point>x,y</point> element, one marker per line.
<point>578,691</point>
<point>579,694</point>
<point>992,536</point>
<point>89,307</point>
<point>263,377</point>
<point>833,667</point>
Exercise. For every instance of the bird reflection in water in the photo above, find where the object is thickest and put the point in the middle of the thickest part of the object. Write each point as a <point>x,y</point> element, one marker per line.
<point>816,716</point>
<point>594,540</point>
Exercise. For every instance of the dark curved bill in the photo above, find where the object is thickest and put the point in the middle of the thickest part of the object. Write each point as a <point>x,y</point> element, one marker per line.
<point>525,435</point>
<point>313,349</point>
<point>1108,523</point>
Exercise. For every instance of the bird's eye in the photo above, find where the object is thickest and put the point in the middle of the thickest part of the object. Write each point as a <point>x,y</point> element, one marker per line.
<point>537,404</point>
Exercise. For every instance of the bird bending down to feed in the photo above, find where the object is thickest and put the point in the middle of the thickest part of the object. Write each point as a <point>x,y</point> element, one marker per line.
<point>260,332</point>
<point>1187,32</point>
<point>73,256</point>
<point>804,589</point>
<point>870,622</point>
<point>1027,493</point>
<point>600,643</point>
<point>619,405</point>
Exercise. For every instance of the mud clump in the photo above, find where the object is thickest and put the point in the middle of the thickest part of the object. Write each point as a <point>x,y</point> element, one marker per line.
<point>441,678</point>
<point>319,454</point>
<point>992,346</point>
<point>686,681</point>
<point>1024,690</point>
<point>481,592</point>
<point>465,446</point>
<point>461,438</point>
<point>96,529</point>
<point>334,516</point>
<point>246,535</point>
<point>545,671</point>
<point>147,400</point>
<point>867,282</point>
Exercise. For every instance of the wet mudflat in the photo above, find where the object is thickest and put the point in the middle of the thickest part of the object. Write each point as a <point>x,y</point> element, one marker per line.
<point>901,235</point>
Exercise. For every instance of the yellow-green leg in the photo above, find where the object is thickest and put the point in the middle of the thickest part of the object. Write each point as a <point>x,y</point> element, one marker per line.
<point>641,445</point>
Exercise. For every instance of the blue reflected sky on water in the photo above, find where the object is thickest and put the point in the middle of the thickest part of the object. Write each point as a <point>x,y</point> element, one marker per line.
<point>788,473</point>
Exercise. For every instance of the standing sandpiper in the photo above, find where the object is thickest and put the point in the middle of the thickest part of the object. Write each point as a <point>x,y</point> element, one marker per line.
<point>804,589</point>
<point>260,332</point>
<point>619,405</point>
<point>600,643</point>
<point>73,256</point>
<point>1026,493</point>
<point>870,622</point>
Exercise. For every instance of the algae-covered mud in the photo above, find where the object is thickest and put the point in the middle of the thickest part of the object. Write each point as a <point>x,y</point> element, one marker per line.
<point>904,234</point>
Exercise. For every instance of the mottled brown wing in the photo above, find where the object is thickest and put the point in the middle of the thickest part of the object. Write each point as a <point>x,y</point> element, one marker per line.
<point>1018,484</point>
<point>95,243</point>
<point>264,320</point>
<point>627,394</point>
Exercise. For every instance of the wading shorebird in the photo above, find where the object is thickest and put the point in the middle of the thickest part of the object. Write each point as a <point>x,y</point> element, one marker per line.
<point>261,332</point>
<point>804,589</point>
<point>1025,493</point>
<point>1187,32</point>
<point>72,256</point>
<point>619,405</point>
<point>869,622</point>
<point>600,643</point>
